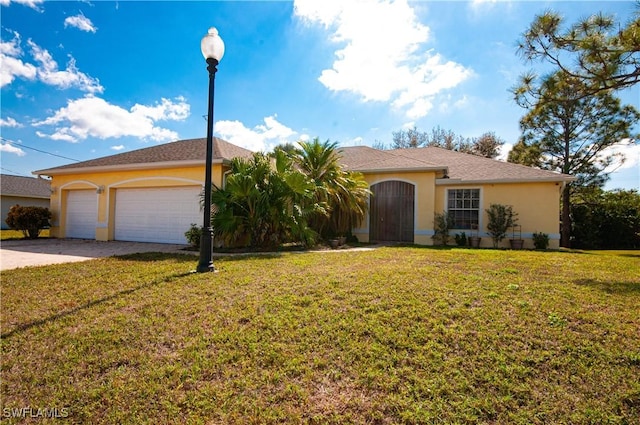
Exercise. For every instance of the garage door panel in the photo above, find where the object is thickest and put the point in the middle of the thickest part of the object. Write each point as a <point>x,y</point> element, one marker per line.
<point>156,214</point>
<point>82,212</point>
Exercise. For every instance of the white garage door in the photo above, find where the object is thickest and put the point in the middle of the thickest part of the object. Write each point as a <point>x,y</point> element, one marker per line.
<point>156,215</point>
<point>82,214</point>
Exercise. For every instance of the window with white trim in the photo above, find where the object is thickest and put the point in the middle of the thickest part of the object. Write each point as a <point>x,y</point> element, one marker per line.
<point>463,206</point>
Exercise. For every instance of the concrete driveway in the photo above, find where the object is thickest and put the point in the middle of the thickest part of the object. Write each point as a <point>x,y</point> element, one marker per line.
<point>38,252</point>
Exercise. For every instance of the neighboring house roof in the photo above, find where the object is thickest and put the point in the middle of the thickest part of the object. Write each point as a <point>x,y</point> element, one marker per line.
<point>27,187</point>
<point>365,159</point>
<point>182,152</point>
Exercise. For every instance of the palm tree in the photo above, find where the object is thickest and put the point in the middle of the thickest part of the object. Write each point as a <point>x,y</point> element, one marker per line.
<point>288,196</point>
<point>263,206</point>
<point>342,195</point>
<point>348,198</point>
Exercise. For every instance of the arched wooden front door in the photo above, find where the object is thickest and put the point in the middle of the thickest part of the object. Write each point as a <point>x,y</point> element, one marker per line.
<point>391,212</point>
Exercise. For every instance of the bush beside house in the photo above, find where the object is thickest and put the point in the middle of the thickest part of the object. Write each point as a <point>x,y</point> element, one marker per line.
<point>501,219</point>
<point>606,220</point>
<point>29,220</point>
<point>25,191</point>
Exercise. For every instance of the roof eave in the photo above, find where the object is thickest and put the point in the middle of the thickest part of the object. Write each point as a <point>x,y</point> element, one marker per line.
<point>126,167</point>
<point>397,170</point>
<point>453,181</point>
<point>22,195</point>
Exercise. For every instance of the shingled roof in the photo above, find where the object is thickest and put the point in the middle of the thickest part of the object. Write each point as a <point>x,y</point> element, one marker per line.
<point>458,167</point>
<point>27,187</point>
<point>365,159</point>
<point>191,151</point>
<point>463,167</point>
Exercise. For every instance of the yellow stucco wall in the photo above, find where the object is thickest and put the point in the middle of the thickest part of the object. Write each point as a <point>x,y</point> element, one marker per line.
<point>424,183</point>
<point>106,183</point>
<point>537,205</point>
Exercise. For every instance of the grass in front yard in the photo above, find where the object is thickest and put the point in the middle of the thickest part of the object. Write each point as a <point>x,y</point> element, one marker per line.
<point>17,234</point>
<point>395,335</point>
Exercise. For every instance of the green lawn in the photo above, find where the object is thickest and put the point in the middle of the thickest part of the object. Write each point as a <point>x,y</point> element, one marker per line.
<point>395,335</point>
<point>16,234</point>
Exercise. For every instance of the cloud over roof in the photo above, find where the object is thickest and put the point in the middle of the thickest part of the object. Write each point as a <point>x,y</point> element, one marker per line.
<point>383,54</point>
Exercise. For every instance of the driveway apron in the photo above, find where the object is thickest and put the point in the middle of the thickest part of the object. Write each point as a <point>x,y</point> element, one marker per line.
<point>38,252</point>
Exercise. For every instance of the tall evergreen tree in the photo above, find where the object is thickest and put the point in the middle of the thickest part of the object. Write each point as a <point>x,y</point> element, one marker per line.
<point>566,131</point>
<point>598,51</point>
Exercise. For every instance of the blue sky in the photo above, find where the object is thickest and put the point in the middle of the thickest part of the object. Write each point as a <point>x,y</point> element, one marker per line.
<point>85,79</point>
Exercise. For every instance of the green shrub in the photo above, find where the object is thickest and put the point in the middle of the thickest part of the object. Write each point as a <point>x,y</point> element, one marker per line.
<point>461,239</point>
<point>540,240</point>
<point>29,220</point>
<point>606,220</point>
<point>193,235</point>
<point>442,222</point>
<point>501,219</point>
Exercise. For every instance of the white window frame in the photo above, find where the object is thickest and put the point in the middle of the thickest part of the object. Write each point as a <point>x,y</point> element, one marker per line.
<point>463,208</point>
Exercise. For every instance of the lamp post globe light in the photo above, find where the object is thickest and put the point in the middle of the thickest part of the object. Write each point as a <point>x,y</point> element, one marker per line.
<point>212,48</point>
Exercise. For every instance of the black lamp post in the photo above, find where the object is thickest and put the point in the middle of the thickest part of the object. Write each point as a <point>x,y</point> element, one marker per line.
<point>212,49</point>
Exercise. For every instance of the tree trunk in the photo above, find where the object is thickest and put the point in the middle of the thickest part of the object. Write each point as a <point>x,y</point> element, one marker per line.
<point>565,235</point>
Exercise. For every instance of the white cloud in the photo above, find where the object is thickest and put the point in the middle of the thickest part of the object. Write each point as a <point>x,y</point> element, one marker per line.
<point>30,3</point>
<point>6,147</point>
<point>504,151</point>
<point>627,148</point>
<point>11,48</point>
<point>481,7</point>
<point>383,57</point>
<point>260,138</point>
<point>356,141</point>
<point>92,116</point>
<point>81,22</point>
<point>448,103</point>
<point>9,122</point>
<point>117,147</point>
<point>49,73</point>
<point>61,135</point>
<point>481,3</point>
<point>11,66</point>
<point>430,78</point>
<point>166,110</point>
<point>420,107</point>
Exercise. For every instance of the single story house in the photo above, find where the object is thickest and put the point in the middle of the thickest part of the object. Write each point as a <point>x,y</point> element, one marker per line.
<point>410,186</point>
<point>146,195</point>
<point>153,194</point>
<point>24,191</point>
